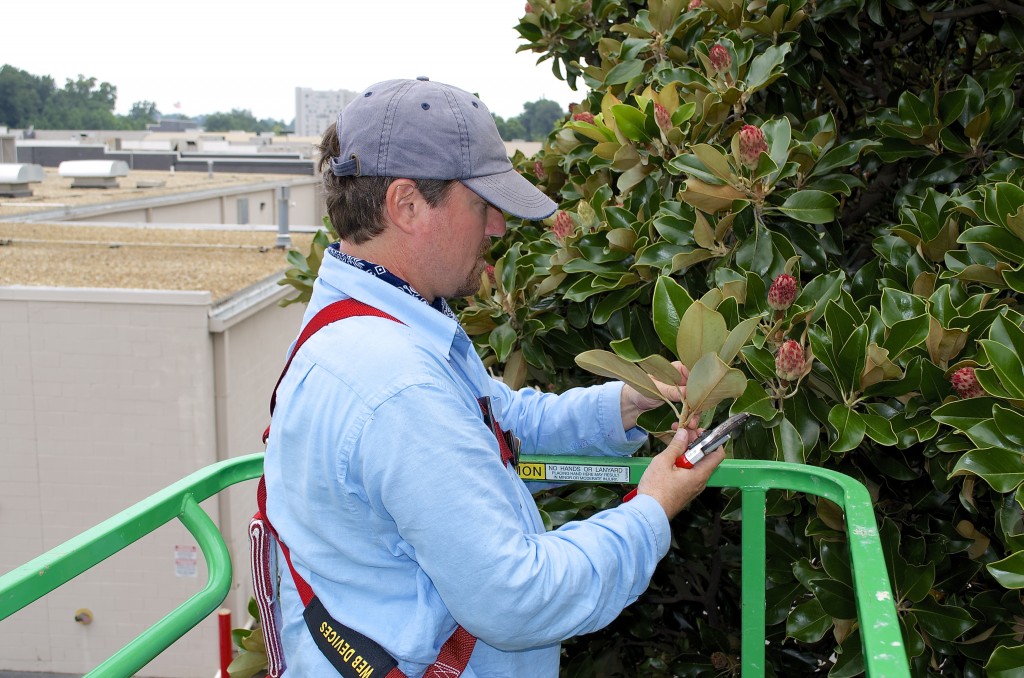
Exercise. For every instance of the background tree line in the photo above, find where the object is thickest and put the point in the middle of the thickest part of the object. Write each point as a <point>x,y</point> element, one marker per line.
<point>33,101</point>
<point>535,123</point>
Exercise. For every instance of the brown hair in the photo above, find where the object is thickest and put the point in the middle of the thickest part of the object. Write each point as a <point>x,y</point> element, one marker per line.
<point>355,205</point>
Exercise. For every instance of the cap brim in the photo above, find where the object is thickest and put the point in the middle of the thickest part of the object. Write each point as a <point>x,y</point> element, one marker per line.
<point>513,193</point>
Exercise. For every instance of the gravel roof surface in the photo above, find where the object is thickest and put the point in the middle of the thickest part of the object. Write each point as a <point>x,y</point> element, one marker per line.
<point>220,260</point>
<point>56,191</point>
<point>60,255</point>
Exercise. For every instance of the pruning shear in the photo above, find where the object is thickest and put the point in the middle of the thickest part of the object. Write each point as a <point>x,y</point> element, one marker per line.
<point>709,440</point>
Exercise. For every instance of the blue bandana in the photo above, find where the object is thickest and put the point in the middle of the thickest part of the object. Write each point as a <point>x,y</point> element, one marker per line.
<point>390,278</point>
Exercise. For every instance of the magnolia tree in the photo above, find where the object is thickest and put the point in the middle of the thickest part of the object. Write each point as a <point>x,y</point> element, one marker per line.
<point>818,209</point>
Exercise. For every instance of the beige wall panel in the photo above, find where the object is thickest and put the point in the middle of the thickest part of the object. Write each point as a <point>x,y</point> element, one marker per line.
<point>107,397</point>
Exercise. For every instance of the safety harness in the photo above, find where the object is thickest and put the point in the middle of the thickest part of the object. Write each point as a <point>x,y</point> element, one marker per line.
<point>350,652</point>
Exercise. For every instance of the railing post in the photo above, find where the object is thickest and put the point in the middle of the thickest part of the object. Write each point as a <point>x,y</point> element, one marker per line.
<point>753,584</point>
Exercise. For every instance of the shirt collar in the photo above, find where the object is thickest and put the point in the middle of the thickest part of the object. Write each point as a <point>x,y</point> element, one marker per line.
<point>387,276</point>
<point>375,285</point>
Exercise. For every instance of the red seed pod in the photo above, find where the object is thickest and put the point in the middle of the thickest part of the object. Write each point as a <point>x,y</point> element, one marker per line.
<point>662,117</point>
<point>720,59</point>
<point>966,383</point>
<point>538,171</point>
<point>694,4</point>
<point>563,226</point>
<point>790,361</point>
<point>584,117</point>
<point>752,145</point>
<point>782,293</point>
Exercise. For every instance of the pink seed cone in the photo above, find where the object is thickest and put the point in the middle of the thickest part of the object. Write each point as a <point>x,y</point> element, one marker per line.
<point>966,383</point>
<point>782,293</point>
<point>752,145</point>
<point>789,361</point>
<point>720,59</point>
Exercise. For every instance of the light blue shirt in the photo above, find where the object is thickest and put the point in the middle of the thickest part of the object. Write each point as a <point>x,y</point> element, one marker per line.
<point>390,492</point>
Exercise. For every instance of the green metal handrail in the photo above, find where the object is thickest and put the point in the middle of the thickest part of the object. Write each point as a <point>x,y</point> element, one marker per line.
<point>60,565</point>
<point>881,638</point>
<point>882,641</point>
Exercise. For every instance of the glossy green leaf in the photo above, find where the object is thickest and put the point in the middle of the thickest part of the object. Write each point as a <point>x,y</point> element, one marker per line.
<point>850,662</point>
<point>631,122</point>
<point>714,160</point>
<point>760,360</point>
<point>965,413</point>
<point>623,72</point>
<point>878,429</point>
<point>502,339</point>
<point>1002,469</point>
<point>1008,333</point>
<point>821,290</point>
<point>913,582</point>
<point>850,357</point>
<point>898,305</point>
<point>1007,367</point>
<point>756,401</point>
<point>691,166</point>
<point>836,598</point>
<point>906,334</point>
<point>835,558</point>
<point>842,156</point>
<point>1006,661</point>
<point>670,302</point>
<point>810,206</point>
<point>1009,571</point>
<point>808,622</point>
<point>850,428</point>
<point>764,64</point>
<point>945,622</point>
<point>789,445</point>
<point>1010,423</point>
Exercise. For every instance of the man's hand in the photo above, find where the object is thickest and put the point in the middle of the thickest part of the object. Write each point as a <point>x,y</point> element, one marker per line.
<point>675,487</point>
<point>633,403</point>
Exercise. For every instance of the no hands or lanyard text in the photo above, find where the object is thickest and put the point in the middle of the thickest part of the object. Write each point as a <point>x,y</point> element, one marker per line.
<point>591,473</point>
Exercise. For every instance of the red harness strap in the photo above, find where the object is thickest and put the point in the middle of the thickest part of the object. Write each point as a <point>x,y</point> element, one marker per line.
<point>456,651</point>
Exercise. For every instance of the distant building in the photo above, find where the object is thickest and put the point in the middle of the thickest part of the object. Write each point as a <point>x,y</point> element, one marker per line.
<point>172,125</point>
<point>316,109</point>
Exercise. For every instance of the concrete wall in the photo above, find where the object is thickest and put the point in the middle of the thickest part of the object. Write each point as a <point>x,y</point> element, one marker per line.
<point>51,154</point>
<point>213,206</point>
<point>107,396</point>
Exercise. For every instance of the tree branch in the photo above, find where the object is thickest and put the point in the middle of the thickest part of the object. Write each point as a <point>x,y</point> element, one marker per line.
<point>985,7</point>
<point>870,196</point>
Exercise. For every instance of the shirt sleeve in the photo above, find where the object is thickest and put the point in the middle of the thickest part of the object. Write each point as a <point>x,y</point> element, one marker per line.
<point>430,465</point>
<point>582,421</point>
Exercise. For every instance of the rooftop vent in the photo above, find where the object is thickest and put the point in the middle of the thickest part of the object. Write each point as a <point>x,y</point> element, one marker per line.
<point>15,179</point>
<point>93,173</point>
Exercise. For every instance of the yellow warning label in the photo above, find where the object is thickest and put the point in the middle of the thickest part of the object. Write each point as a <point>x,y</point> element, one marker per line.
<point>531,471</point>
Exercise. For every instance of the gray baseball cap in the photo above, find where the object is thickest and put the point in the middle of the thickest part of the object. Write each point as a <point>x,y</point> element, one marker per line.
<point>418,129</point>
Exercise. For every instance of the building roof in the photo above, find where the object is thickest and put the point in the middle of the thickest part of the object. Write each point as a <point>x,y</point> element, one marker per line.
<point>208,257</point>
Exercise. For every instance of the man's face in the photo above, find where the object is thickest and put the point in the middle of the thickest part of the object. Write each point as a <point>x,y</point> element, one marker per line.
<point>463,227</point>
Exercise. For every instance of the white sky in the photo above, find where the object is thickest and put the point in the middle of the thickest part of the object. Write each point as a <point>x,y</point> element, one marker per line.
<point>215,55</point>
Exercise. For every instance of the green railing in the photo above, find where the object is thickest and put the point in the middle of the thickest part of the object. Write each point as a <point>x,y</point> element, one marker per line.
<point>882,640</point>
<point>181,500</point>
<point>884,655</point>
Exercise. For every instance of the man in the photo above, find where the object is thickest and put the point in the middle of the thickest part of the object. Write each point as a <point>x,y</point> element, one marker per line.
<point>387,476</point>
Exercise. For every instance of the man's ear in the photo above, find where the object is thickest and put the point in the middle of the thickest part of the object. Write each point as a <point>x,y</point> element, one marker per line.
<point>404,204</point>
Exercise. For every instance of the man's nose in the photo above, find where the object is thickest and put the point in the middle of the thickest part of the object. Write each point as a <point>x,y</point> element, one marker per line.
<point>495,222</point>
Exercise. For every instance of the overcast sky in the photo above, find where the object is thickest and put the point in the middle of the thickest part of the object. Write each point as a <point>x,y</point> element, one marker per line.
<point>214,55</point>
